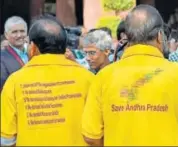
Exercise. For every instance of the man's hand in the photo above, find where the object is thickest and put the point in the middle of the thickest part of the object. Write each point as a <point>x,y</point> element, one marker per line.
<point>69,55</point>
<point>94,142</point>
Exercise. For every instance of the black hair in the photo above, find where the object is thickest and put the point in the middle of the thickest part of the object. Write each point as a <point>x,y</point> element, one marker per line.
<point>120,29</point>
<point>48,34</point>
<point>106,29</point>
<point>92,30</point>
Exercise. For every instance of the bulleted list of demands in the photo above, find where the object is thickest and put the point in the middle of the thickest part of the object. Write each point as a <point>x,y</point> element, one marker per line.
<point>42,105</point>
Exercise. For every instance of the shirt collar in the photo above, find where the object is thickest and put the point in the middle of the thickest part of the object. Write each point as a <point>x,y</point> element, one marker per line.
<point>140,49</point>
<point>177,50</point>
<point>24,51</point>
<point>51,59</point>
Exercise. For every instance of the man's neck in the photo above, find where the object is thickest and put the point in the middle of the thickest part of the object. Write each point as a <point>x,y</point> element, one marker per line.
<point>21,48</point>
<point>107,62</point>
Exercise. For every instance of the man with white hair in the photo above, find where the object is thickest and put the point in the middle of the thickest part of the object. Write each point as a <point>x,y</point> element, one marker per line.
<point>97,46</point>
<point>134,102</point>
<point>14,56</point>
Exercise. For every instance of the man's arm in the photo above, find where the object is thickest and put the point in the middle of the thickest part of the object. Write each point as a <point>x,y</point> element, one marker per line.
<point>94,142</point>
<point>92,120</point>
<point>4,74</point>
<point>8,114</point>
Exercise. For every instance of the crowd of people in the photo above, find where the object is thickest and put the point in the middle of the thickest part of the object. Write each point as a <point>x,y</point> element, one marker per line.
<point>68,86</point>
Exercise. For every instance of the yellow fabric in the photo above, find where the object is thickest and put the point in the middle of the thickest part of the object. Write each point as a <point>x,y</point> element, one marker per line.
<point>43,102</point>
<point>134,101</point>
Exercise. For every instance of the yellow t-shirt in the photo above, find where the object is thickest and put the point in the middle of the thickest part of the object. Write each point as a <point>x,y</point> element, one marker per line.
<point>43,102</point>
<point>134,101</point>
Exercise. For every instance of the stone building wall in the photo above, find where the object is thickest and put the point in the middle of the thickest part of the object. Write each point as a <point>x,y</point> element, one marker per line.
<point>65,11</point>
<point>93,11</point>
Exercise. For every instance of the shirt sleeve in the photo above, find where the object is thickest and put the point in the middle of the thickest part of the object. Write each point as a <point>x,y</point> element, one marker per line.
<point>4,74</point>
<point>8,113</point>
<point>92,120</point>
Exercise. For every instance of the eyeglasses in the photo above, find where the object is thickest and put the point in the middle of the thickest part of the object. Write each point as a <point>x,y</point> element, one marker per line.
<point>90,53</point>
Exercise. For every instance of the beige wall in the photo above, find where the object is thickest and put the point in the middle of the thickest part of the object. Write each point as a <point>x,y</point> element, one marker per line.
<point>36,7</point>
<point>93,11</point>
<point>65,11</point>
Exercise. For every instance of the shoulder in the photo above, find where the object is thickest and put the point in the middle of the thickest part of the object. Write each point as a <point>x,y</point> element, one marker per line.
<point>83,71</point>
<point>173,66</point>
<point>4,56</point>
<point>169,64</point>
<point>4,53</point>
<point>107,72</point>
<point>86,72</point>
<point>170,71</point>
<point>108,69</point>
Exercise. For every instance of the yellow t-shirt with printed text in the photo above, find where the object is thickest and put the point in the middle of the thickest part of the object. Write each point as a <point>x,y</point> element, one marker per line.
<point>42,103</point>
<point>134,102</point>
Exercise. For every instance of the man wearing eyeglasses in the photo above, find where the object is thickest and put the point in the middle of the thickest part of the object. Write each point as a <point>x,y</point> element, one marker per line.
<point>97,47</point>
<point>134,102</point>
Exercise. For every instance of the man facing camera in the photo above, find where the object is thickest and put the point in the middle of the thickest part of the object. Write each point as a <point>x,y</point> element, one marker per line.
<point>97,47</point>
<point>14,55</point>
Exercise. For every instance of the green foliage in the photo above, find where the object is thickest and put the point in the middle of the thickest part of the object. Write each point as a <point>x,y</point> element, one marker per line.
<point>118,5</point>
<point>109,21</point>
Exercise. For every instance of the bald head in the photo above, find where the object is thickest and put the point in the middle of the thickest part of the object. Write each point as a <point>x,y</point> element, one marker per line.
<point>143,24</point>
<point>48,35</point>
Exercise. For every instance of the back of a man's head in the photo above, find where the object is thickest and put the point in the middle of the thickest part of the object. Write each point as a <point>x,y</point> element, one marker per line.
<point>120,29</point>
<point>48,35</point>
<point>143,24</point>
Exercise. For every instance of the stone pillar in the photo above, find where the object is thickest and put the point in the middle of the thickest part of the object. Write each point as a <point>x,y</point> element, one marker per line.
<point>36,7</point>
<point>65,12</point>
<point>92,12</point>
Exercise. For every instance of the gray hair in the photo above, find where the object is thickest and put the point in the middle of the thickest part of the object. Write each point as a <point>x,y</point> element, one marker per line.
<point>143,24</point>
<point>13,21</point>
<point>99,38</point>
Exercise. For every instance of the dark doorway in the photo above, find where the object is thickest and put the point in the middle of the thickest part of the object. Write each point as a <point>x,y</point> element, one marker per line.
<point>48,7</point>
<point>14,7</point>
<point>79,11</point>
<point>166,8</point>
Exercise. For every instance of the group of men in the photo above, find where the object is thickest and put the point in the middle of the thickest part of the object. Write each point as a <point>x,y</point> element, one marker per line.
<point>47,99</point>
